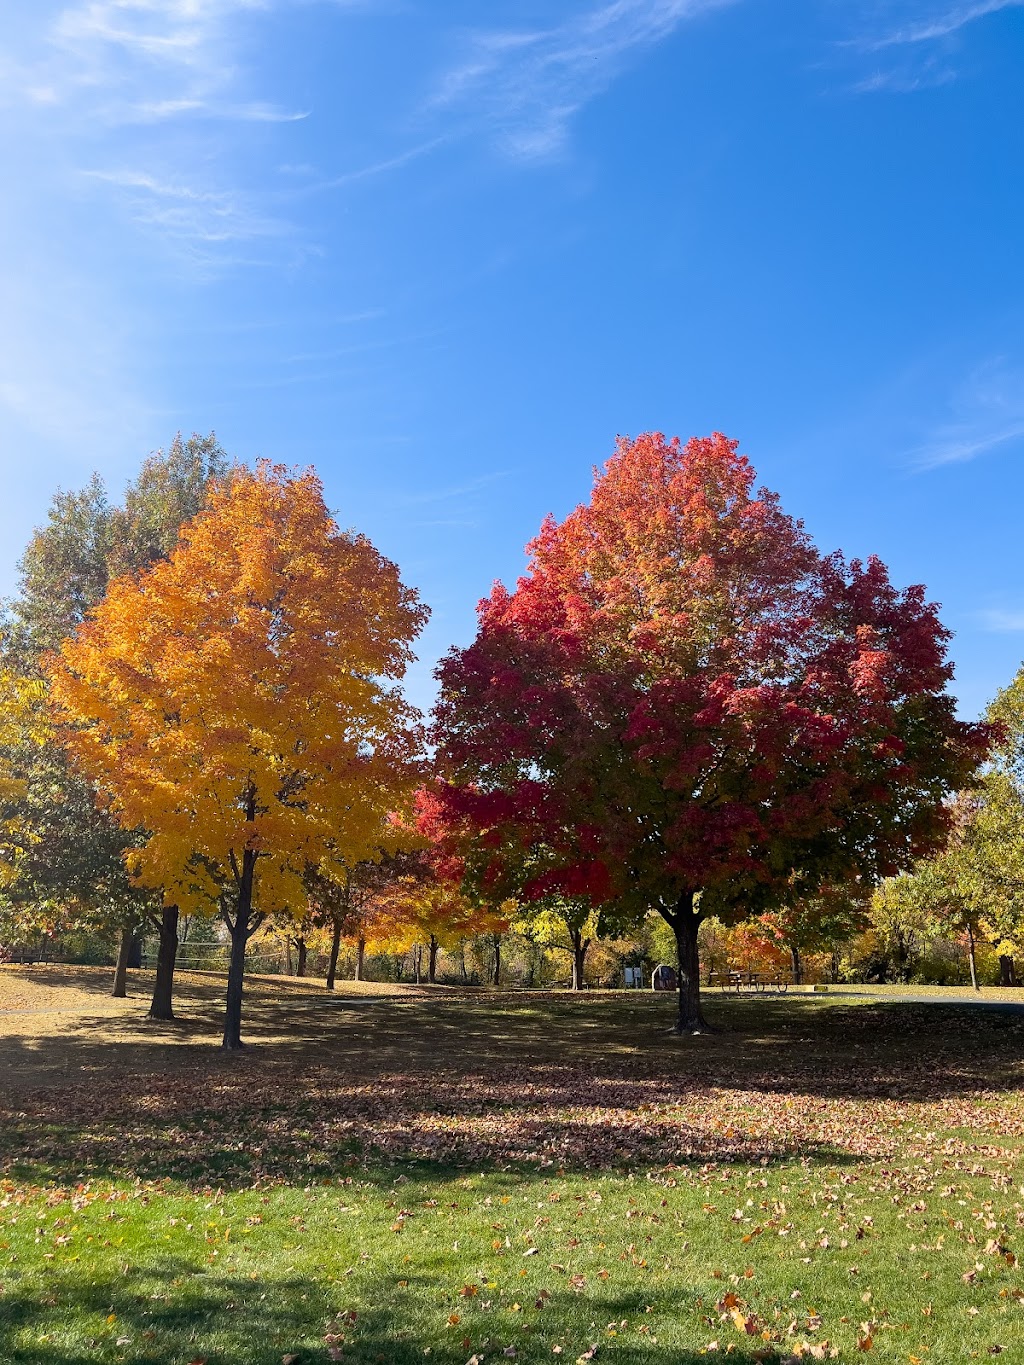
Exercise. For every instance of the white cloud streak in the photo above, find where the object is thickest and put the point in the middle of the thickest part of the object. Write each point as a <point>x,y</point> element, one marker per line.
<point>126,59</point>
<point>915,41</point>
<point>904,82</point>
<point>193,215</point>
<point>929,29</point>
<point>377,168</point>
<point>529,85</point>
<point>156,87</point>
<point>988,414</point>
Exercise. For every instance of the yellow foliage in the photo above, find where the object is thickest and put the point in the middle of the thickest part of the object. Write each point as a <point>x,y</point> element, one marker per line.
<point>417,909</point>
<point>239,700</point>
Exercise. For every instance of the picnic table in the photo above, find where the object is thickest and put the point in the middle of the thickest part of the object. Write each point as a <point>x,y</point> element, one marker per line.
<point>751,981</point>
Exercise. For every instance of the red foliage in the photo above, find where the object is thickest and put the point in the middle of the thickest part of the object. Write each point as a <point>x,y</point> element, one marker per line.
<point>684,696</point>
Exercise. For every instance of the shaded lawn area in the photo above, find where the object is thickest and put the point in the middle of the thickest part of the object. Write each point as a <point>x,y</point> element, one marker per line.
<point>441,1174</point>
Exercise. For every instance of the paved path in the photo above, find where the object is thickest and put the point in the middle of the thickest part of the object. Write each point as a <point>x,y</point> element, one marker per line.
<point>974,1001</point>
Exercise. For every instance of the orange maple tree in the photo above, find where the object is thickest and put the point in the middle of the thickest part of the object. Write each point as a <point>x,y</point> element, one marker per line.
<point>419,905</point>
<point>240,703</point>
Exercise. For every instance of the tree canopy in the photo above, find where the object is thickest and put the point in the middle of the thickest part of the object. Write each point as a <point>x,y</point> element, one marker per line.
<point>683,703</point>
<point>238,702</point>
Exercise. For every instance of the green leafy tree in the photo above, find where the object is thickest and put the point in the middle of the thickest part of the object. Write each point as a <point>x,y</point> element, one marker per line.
<point>562,923</point>
<point>980,878</point>
<point>902,919</point>
<point>999,827</point>
<point>74,853</point>
<point>975,886</point>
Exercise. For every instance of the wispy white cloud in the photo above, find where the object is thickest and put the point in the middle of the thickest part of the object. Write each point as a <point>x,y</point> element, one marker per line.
<point>1002,622</point>
<point>120,57</point>
<point>931,26</point>
<point>915,42</point>
<point>529,84</point>
<point>156,111</point>
<point>457,491</point>
<point>129,80</point>
<point>987,413</point>
<point>905,82</point>
<point>376,168</point>
<point>160,83</point>
<point>193,214</point>
<point>124,124</point>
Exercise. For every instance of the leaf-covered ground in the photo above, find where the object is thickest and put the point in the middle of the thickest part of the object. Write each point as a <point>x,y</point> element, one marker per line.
<point>447,1175</point>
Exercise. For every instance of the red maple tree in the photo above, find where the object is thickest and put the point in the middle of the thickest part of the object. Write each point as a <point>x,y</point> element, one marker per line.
<point>683,705</point>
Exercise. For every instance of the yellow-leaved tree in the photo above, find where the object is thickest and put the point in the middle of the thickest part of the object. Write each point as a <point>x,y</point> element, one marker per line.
<point>240,702</point>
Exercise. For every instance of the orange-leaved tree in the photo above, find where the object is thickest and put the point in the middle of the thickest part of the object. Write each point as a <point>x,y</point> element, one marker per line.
<point>421,906</point>
<point>240,704</point>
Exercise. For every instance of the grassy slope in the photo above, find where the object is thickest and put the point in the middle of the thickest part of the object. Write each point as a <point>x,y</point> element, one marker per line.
<point>474,1176</point>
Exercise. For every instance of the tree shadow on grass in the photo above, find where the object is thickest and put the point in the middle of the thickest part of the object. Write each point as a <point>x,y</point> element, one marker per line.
<point>862,1051</point>
<point>528,1083</point>
<point>170,1313</point>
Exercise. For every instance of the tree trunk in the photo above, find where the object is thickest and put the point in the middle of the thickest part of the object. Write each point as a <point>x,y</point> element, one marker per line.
<point>417,958</point>
<point>240,928</point>
<point>124,953</point>
<point>289,963</point>
<point>232,1040</point>
<point>167,952</point>
<point>332,965</point>
<point>497,960</point>
<point>798,966</point>
<point>684,924</point>
<point>432,961</point>
<point>972,956</point>
<point>531,963</point>
<point>360,955</point>
<point>579,957</point>
<point>300,966</point>
<point>1007,972</point>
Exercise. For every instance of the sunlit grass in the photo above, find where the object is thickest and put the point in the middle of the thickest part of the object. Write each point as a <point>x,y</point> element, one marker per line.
<point>479,1176</point>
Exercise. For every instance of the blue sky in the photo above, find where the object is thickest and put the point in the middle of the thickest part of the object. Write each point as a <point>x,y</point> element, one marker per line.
<point>445,251</point>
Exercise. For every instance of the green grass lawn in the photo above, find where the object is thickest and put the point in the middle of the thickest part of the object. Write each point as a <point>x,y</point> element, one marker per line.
<point>436,1176</point>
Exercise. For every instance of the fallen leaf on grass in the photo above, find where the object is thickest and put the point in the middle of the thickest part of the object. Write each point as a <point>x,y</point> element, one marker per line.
<point>748,1325</point>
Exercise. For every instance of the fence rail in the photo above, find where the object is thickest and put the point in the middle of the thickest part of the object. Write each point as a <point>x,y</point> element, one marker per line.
<point>214,960</point>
